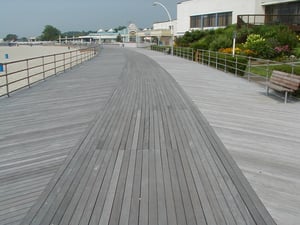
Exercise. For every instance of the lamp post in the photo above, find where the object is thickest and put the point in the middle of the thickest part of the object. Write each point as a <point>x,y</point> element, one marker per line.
<point>170,19</point>
<point>233,44</point>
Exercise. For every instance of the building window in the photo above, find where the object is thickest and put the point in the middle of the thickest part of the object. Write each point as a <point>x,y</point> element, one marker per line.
<point>224,19</point>
<point>287,13</point>
<point>195,22</point>
<point>211,20</point>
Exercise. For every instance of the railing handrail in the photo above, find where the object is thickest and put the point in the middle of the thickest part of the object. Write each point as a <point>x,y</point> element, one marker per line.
<point>19,71</point>
<point>50,55</point>
<point>246,66</point>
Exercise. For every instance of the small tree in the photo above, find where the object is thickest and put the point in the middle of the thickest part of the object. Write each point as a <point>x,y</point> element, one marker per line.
<point>119,38</point>
<point>50,33</point>
<point>11,37</point>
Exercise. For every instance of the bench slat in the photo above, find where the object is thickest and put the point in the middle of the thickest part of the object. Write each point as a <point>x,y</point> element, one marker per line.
<point>287,83</point>
<point>286,74</point>
<point>282,81</point>
<point>278,87</point>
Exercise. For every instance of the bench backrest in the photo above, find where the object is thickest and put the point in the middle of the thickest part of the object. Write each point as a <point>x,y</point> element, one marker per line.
<point>286,74</point>
<point>285,80</point>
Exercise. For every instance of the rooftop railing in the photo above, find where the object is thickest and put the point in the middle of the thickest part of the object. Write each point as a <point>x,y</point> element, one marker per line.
<point>293,21</point>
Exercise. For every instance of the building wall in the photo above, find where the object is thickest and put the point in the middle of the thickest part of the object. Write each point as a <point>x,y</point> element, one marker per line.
<point>276,1</point>
<point>165,25</point>
<point>186,9</point>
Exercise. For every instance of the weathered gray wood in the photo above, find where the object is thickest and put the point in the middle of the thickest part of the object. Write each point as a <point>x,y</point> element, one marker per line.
<point>148,157</point>
<point>47,119</point>
<point>124,217</point>
<point>113,186</point>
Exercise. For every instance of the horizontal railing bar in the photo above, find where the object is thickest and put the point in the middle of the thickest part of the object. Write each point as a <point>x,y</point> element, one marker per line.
<point>38,57</point>
<point>49,65</point>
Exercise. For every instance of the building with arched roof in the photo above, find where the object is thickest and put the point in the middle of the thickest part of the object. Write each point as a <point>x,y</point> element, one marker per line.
<point>127,34</point>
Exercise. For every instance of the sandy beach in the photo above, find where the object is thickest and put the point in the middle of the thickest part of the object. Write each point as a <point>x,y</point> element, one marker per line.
<point>19,76</point>
<point>24,52</point>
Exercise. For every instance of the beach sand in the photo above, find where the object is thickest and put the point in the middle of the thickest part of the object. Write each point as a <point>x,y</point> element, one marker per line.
<point>24,52</point>
<point>17,71</point>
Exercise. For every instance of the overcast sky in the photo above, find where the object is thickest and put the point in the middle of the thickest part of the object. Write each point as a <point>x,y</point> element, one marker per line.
<point>27,18</point>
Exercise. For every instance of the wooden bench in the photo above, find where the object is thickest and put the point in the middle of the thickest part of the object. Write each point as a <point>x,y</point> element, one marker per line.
<point>283,82</point>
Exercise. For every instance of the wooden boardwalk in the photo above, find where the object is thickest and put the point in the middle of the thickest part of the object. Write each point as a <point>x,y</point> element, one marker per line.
<point>40,125</point>
<point>149,157</point>
<point>261,133</point>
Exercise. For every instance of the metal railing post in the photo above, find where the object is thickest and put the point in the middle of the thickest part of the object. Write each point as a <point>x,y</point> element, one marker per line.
<point>28,78</point>
<point>54,64</point>
<point>43,62</point>
<point>225,63</point>
<point>6,78</point>
<point>268,70</point>
<point>192,54</point>
<point>71,60</point>
<point>77,57</point>
<point>216,60</point>
<point>236,66</point>
<point>64,62</point>
<point>28,69</point>
<point>249,68</point>
<point>208,57</point>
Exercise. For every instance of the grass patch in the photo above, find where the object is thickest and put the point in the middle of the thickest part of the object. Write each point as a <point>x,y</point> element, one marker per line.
<point>264,70</point>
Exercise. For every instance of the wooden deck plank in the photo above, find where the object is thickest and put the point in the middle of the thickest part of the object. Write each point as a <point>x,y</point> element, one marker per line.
<point>135,200</point>
<point>80,197</point>
<point>148,157</point>
<point>104,220</point>
<point>153,180</point>
<point>197,207</point>
<point>232,169</point>
<point>203,125</point>
<point>186,198</point>
<point>129,117</point>
<point>232,203</point>
<point>144,197</point>
<point>247,121</point>
<point>91,182</point>
<point>169,134</point>
<point>47,119</point>
<point>85,206</point>
<point>126,204</point>
<point>166,208</point>
<point>166,176</point>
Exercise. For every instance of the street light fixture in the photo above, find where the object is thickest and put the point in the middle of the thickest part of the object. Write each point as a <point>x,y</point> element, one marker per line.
<point>170,19</point>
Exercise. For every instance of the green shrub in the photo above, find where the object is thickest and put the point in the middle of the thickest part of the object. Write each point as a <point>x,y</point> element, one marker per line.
<point>221,41</point>
<point>190,37</point>
<point>296,52</point>
<point>258,44</point>
<point>201,44</point>
<point>233,65</point>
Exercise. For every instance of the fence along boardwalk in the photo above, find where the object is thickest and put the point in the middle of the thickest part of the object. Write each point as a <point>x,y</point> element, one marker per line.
<point>149,158</point>
<point>39,126</point>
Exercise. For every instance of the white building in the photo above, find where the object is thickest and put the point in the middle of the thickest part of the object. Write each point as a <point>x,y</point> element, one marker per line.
<point>127,35</point>
<point>203,14</point>
<point>167,25</point>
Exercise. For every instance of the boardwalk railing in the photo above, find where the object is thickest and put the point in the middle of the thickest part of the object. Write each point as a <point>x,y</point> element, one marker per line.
<point>251,68</point>
<point>24,73</point>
